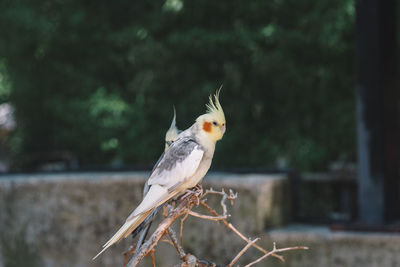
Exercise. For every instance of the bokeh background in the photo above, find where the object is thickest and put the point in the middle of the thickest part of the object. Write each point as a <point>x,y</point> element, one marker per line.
<point>94,82</point>
<point>311,97</point>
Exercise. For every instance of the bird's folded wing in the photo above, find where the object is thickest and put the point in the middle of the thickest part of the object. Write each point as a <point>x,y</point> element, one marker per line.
<point>179,163</point>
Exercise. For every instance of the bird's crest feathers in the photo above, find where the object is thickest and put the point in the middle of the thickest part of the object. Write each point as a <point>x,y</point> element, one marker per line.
<point>214,108</point>
<point>173,123</point>
<point>172,132</point>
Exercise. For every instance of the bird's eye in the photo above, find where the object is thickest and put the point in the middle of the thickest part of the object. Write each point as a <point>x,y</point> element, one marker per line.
<point>215,123</point>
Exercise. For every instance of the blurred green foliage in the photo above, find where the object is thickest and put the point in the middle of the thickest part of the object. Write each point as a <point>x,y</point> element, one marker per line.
<point>99,78</point>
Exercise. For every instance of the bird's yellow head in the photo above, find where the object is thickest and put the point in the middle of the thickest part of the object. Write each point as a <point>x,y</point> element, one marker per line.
<point>213,122</point>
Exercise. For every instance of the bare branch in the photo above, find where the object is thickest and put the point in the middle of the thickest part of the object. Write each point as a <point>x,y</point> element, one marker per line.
<point>181,228</point>
<point>224,209</point>
<point>190,259</point>
<point>205,217</point>
<point>153,260</point>
<point>230,226</point>
<point>242,252</point>
<point>274,250</point>
<point>182,208</point>
<point>128,253</point>
<point>175,243</point>
<point>166,240</point>
<point>232,196</point>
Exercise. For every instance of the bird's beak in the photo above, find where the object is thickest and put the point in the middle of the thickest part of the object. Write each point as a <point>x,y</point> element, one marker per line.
<point>223,128</point>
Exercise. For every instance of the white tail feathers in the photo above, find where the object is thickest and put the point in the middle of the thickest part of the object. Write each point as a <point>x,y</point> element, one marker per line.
<point>124,231</point>
<point>155,197</point>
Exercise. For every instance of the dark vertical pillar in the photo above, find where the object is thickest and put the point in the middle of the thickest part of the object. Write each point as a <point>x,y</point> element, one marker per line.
<point>377,112</point>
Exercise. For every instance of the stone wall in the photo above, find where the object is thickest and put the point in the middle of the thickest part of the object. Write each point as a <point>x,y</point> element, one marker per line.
<point>64,219</point>
<point>336,248</point>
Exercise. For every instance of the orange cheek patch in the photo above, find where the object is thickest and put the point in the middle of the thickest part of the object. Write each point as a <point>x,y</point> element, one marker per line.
<point>207,126</point>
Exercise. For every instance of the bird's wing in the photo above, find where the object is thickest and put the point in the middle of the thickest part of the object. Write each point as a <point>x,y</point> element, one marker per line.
<point>179,163</point>
<point>146,185</point>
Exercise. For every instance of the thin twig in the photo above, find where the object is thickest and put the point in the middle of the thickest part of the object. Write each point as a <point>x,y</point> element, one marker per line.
<point>206,217</point>
<point>184,208</point>
<point>224,209</point>
<point>274,250</point>
<point>243,251</point>
<point>230,226</point>
<point>175,243</point>
<point>166,240</point>
<point>128,253</point>
<point>181,228</point>
<point>153,260</point>
<point>232,196</point>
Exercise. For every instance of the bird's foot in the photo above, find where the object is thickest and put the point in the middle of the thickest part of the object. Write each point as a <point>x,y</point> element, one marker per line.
<point>196,191</point>
<point>199,188</point>
<point>187,193</point>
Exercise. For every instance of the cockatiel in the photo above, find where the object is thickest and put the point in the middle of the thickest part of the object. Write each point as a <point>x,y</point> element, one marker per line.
<point>183,166</point>
<point>144,227</point>
<point>171,134</point>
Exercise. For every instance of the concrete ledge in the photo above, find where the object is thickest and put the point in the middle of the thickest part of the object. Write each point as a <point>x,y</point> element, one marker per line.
<point>336,249</point>
<point>63,219</point>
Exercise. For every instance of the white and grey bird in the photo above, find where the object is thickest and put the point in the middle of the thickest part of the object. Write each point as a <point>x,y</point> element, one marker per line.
<point>171,134</point>
<point>183,166</point>
<point>143,228</point>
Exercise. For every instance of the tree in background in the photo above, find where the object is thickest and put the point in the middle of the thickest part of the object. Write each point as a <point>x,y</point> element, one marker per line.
<point>99,78</point>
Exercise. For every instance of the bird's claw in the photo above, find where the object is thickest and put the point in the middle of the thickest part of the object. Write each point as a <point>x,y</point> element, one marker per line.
<point>199,188</point>
<point>197,191</point>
